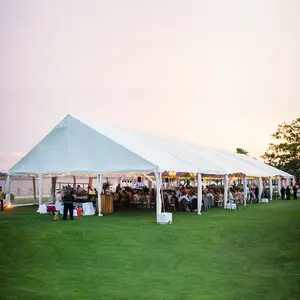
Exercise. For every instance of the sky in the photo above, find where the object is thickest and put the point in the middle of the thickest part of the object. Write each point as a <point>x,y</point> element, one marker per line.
<point>219,73</point>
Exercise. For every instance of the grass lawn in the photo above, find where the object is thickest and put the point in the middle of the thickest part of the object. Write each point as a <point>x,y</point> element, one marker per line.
<point>248,254</point>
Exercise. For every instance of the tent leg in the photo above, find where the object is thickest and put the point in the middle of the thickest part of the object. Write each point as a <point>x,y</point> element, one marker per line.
<point>53,186</point>
<point>158,194</point>
<point>225,190</point>
<point>7,190</point>
<point>100,187</point>
<point>260,188</point>
<point>199,194</point>
<point>34,189</point>
<point>271,188</point>
<point>278,188</point>
<point>40,189</point>
<point>245,190</point>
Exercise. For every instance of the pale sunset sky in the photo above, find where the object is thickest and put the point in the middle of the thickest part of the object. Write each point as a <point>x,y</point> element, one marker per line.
<point>221,73</point>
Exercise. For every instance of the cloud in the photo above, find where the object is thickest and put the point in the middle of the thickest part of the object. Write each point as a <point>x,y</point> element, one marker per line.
<point>2,153</point>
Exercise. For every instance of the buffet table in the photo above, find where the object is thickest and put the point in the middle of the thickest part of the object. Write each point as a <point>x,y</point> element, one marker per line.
<point>85,209</point>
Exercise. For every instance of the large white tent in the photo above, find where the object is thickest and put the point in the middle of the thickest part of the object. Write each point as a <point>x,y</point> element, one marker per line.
<point>74,147</point>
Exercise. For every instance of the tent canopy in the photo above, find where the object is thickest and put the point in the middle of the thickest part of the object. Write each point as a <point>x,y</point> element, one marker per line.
<point>73,147</point>
<point>262,165</point>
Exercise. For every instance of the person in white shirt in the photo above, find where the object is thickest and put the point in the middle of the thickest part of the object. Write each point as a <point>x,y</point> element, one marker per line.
<point>248,193</point>
<point>210,199</point>
<point>58,205</point>
<point>230,195</point>
<point>194,207</point>
<point>136,199</point>
<point>185,198</point>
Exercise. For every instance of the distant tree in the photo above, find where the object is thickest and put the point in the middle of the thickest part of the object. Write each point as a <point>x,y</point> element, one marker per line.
<point>241,151</point>
<point>284,154</point>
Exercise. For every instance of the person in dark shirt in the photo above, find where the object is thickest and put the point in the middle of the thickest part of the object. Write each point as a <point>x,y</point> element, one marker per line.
<point>288,193</point>
<point>295,190</point>
<point>282,191</point>
<point>257,193</point>
<point>68,205</point>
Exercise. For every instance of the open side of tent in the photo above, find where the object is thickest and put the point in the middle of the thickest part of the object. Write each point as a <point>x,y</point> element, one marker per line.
<point>111,149</point>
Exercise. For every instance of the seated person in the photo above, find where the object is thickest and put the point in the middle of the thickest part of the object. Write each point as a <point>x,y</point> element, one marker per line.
<point>230,196</point>
<point>185,196</point>
<point>210,199</point>
<point>220,198</point>
<point>91,191</point>
<point>136,197</point>
<point>194,201</point>
<point>183,202</point>
<point>80,190</point>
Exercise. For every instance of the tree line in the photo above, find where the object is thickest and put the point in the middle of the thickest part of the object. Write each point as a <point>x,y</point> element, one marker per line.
<point>284,151</point>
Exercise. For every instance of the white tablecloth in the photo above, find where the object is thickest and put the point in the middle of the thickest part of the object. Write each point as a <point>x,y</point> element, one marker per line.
<point>231,206</point>
<point>88,209</point>
<point>42,209</point>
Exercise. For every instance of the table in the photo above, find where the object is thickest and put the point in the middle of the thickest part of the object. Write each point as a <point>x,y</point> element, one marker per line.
<point>88,209</point>
<point>42,209</point>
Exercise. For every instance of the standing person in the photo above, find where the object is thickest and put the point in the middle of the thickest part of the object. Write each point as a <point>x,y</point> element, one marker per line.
<point>282,191</point>
<point>257,193</point>
<point>68,205</point>
<point>295,190</point>
<point>58,201</point>
<point>288,193</point>
<point>1,198</point>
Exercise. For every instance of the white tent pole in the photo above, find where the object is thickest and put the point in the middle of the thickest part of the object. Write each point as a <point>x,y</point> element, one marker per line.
<point>199,194</point>
<point>40,189</point>
<point>158,194</point>
<point>225,189</point>
<point>245,190</point>
<point>271,188</point>
<point>260,188</point>
<point>279,188</point>
<point>7,189</point>
<point>100,187</point>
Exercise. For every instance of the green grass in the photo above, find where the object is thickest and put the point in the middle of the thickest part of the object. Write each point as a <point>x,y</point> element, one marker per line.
<point>248,254</point>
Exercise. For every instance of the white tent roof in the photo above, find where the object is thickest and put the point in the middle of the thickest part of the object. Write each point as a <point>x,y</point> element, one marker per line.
<point>73,147</point>
<point>206,160</point>
<point>162,152</point>
<point>262,165</point>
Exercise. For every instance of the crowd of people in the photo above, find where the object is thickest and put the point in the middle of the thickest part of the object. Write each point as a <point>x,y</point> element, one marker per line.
<point>183,198</point>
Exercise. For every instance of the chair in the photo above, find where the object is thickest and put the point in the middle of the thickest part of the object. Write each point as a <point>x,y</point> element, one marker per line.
<point>166,202</point>
<point>194,204</point>
<point>183,205</point>
<point>176,202</point>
